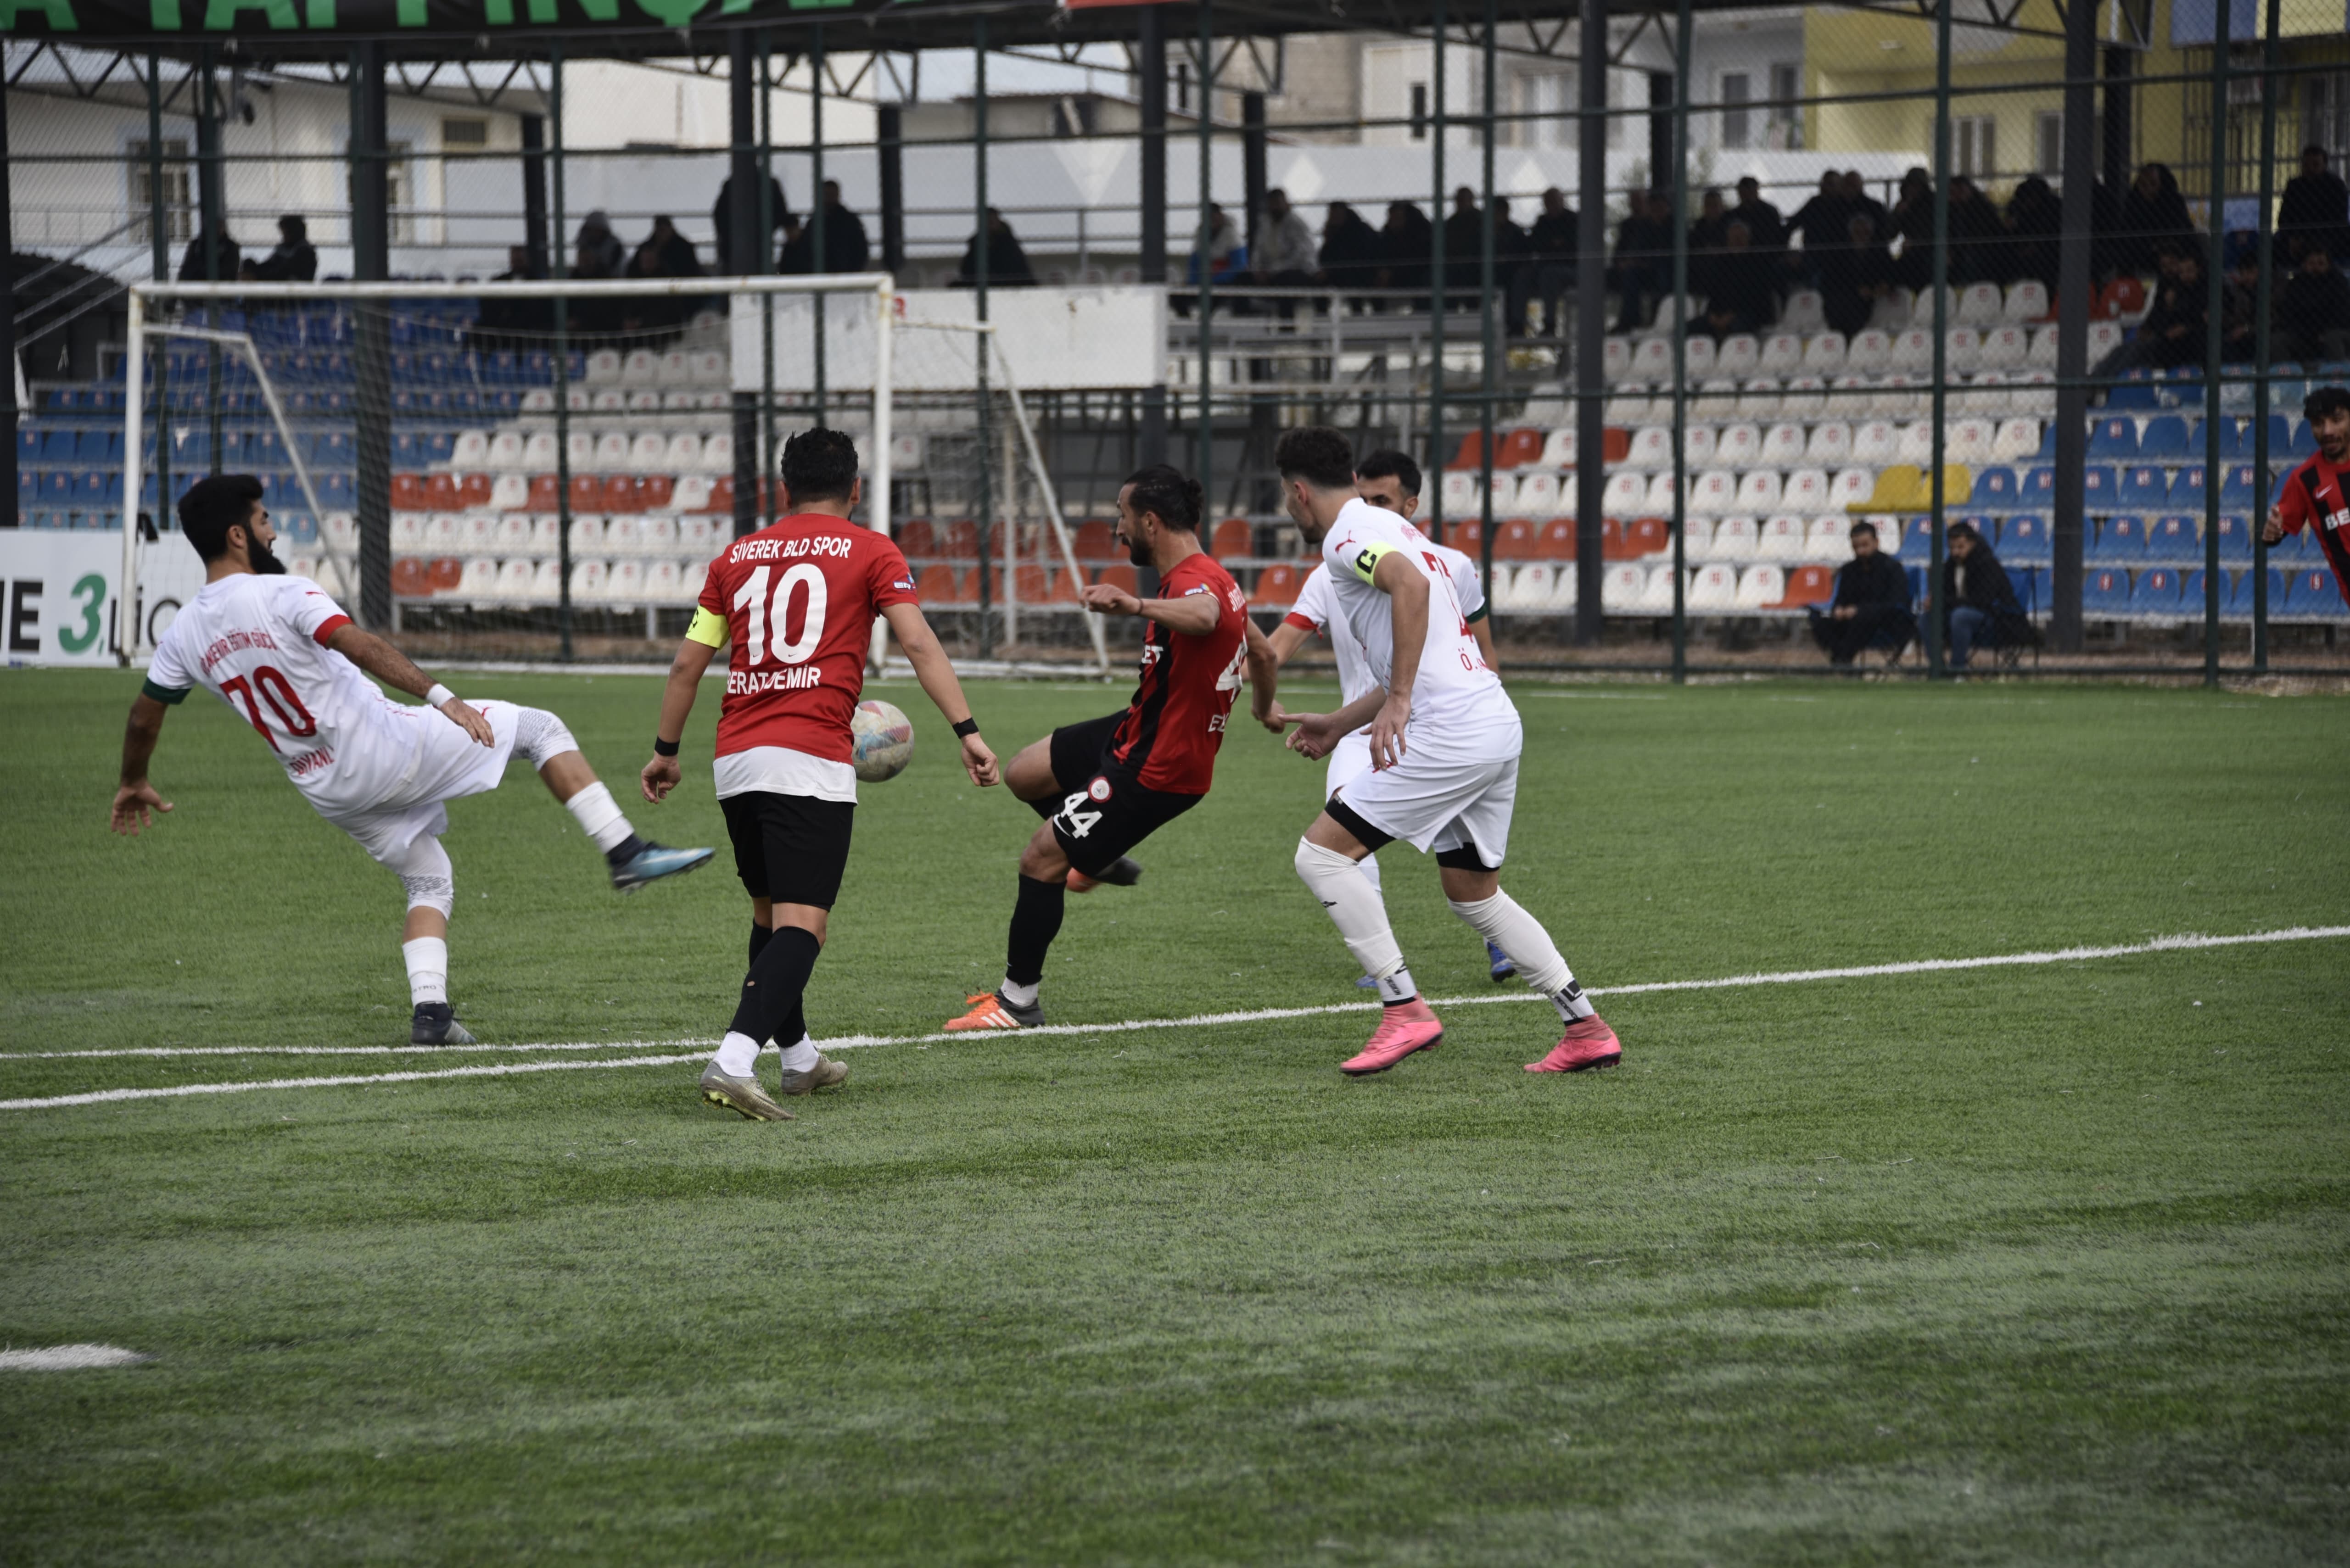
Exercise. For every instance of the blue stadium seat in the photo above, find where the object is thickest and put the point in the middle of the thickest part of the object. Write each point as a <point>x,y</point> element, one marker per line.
<point>2143,488</point>
<point>58,445</point>
<point>2156,593</point>
<point>2113,439</point>
<point>2311,594</point>
<point>2175,539</point>
<point>337,492</point>
<point>2191,594</point>
<point>2135,394</point>
<point>232,452</point>
<point>1915,541</point>
<point>2120,541</point>
<point>2236,491</point>
<point>2023,537</point>
<point>90,490</point>
<point>89,447</point>
<point>464,400</point>
<point>264,449</point>
<point>438,445</point>
<point>28,446</point>
<point>2106,591</point>
<point>28,490</point>
<point>2185,492</point>
<point>2097,490</point>
<point>407,450</point>
<point>2235,539</point>
<point>2166,440</point>
<point>503,401</point>
<point>2030,583</point>
<point>2299,439</point>
<point>1996,488</point>
<point>2039,490</point>
<point>1917,585</point>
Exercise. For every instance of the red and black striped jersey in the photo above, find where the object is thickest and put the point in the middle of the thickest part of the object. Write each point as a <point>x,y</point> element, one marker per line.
<point>1168,738</point>
<point>2316,496</point>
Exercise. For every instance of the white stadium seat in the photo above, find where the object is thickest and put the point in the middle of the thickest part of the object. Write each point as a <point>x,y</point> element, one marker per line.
<point>1916,444</point>
<point>624,583</point>
<point>610,400</point>
<point>1697,447</point>
<point>1805,398</point>
<point>1761,587</point>
<point>1828,539</point>
<point>1657,501</point>
<point>340,531</point>
<point>1961,349</point>
<point>1968,441</point>
<point>603,364</point>
<point>1715,399</point>
<point>611,452</point>
<point>1626,493</point>
<point>1739,446</point>
<point>1620,588</point>
<point>644,402</point>
<point>691,494</point>
<point>1712,493</point>
<point>2004,347</point>
<point>509,491</point>
<point>587,579</point>
<point>1870,353</point>
<point>547,533</point>
<point>1558,448</point>
<point>478,579</point>
<point>513,533</point>
<point>1758,400</point>
<point>547,582</point>
<point>698,535</point>
<point>1849,486</point>
<point>1740,355</point>
<point>1538,494</point>
<point>676,368</point>
<point>538,400</point>
<point>1981,306</point>
<point>1540,588</point>
<point>1616,357</point>
<point>1651,448</point>
<point>1806,490</point>
<point>2026,302</point>
<point>1805,312</point>
<point>1783,445</point>
<point>1504,495</point>
<point>711,367</point>
<point>1734,540</point>
<point>1876,442</point>
<point>1697,537</point>
<point>1459,490</point>
<point>1698,357</point>
<point>514,578</point>
<point>1652,359</point>
<point>2041,355</point>
<point>620,535</point>
<point>1656,591</point>
<point>1783,354</point>
<point>477,533</point>
<point>1894,309</point>
<point>407,532</point>
<point>2017,439</point>
<point>1824,353</point>
<point>445,533</point>
<point>1758,492</point>
<point>2105,336</point>
<point>656,535</point>
<point>505,452</point>
<point>539,453</point>
<point>641,368</point>
<point>649,453</point>
<point>1913,351</point>
<point>580,447</point>
<point>717,453</point>
<point>1713,586</point>
<point>1831,444</point>
<point>1782,539</point>
<point>683,454</point>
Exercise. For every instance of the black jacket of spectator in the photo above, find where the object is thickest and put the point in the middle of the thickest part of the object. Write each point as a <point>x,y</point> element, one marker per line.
<point>722,217</point>
<point>1404,245</point>
<point>1978,582</point>
<point>2176,304</point>
<point>1643,242</point>
<point>295,262</point>
<point>1350,251</point>
<point>846,247</point>
<point>1877,582</point>
<point>1007,264</point>
<point>1846,273</point>
<point>2147,225</point>
<point>2309,305</point>
<point>2316,206</point>
<point>1555,236</point>
<point>228,260</point>
<point>1742,283</point>
<point>1822,222</point>
<point>2035,220</point>
<point>1764,223</point>
<point>1981,251</point>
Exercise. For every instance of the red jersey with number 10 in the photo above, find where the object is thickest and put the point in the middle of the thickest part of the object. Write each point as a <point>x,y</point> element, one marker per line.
<point>798,599</point>
<point>1168,738</point>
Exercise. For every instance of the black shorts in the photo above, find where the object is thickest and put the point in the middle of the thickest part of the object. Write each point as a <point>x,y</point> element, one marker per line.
<point>1077,750</point>
<point>1109,814</point>
<point>790,848</point>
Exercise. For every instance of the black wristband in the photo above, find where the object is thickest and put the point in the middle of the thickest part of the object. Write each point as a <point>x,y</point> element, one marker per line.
<point>664,748</point>
<point>966,729</point>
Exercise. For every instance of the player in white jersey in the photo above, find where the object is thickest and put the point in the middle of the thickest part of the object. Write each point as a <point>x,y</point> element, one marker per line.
<point>1444,762</point>
<point>288,661</point>
<point>1389,479</point>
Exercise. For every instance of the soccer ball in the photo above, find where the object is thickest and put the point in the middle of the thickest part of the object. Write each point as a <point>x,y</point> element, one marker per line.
<point>882,742</point>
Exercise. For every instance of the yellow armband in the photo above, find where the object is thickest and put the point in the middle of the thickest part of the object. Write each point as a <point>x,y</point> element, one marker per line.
<point>1366,559</point>
<point>709,628</point>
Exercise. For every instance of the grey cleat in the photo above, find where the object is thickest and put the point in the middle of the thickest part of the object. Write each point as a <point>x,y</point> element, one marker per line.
<point>655,861</point>
<point>745,1099</point>
<point>826,1074</point>
<point>435,1023</point>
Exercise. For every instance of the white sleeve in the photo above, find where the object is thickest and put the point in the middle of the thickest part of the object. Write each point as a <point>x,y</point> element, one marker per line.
<point>168,670</point>
<point>308,609</point>
<point>1313,599</point>
<point>1466,585</point>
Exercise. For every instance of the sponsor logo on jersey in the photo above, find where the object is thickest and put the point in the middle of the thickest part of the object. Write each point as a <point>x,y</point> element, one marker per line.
<point>232,642</point>
<point>1098,789</point>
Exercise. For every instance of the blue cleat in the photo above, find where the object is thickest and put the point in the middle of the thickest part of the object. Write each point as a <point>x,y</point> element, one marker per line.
<point>1365,983</point>
<point>1503,967</point>
<point>655,861</point>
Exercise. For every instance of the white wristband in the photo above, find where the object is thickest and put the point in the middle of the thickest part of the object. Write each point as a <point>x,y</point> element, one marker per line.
<point>439,695</point>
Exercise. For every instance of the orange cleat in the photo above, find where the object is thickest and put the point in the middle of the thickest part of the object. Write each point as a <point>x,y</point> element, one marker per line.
<point>1404,1028</point>
<point>1588,1044</point>
<point>990,1011</point>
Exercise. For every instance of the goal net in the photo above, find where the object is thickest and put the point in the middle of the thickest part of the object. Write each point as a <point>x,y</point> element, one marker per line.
<point>540,469</point>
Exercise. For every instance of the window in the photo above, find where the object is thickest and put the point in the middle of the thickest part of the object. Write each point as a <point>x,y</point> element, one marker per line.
<point>1736,94</point>
<point>176,225</point>
<point>2050,128</point>
<point>1419,111</point>
<point>465,135</point>
<point>1183,88</point>
<point>1970,146</point>
<point>1786,120</point>
<point>1548,96</point>
<point>400,193</point>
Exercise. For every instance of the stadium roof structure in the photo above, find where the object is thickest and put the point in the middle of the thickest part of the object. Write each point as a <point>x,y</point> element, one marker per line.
<point>496,29</point>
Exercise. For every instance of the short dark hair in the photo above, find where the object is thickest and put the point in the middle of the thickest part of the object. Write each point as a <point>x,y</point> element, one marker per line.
<point>1863,526</point>
<point>818,464</point>
<point>1389,463</point>
<point>2323,401</point>
<point>1166,490</point>
<point>1318,455</point>
<point>292,226</point>
<point>214,506</point>
<point>1959,527</point>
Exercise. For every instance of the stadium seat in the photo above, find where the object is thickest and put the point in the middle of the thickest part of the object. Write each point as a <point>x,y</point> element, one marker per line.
<point>1698,443</point>
<point>1738,446</point>
<point>1781,538</point>
<point>1781,355</point>
<point>2166,439</point>
<point>1697,537</point>
<point>1611,539</point>
<point>1502,496</point>
<point>939,585</point>
<point>2237,493</point>
<point>1712,586</point>
<point>1700,358</point>
<point>2142,488</point>
<point>1876,442</point>
<point>2026,301</point>
<point>1466,535</point>
<point>1870,353</point>
<point>2023,537</point>
<point>2105,593</point>
<point>2174,540</point>
<point>1804,311</point>
<point>1849,486</point>
<point>2311,594</point>
<point>1969,441</point>
<point>1616,357</point>
<point>1827,539</point>
<point>1538,589</point>
<point>1783,446</point>
<point>2016,439</point>
<point>1558,449</point>
<point>1731,539</point>
<point>1277,587</point>
<point>1514,539</point>
<point>2105,336</point>
<point>410,577</point>
<point>1825,354</point>
<point>1626,493</point>
<point>1232,540</point>
<point>2235,539</point>
<point>1519,448</point>
<point>2155,596</point>
<point>1542,494</point>
<point>1095,540</point>
<point>1458,492</point>
<point>1712,493</point>
<point>1645,538</point>
<point>1740,355</point>
<point>1471,454</point>
<point>1557,540</point>
<point>2004,348</point>
<point>1652,361</point>
<point>2099,487</point>
<point>2120,541</point>
<point>1757,493</point>
<point>1761,587</point>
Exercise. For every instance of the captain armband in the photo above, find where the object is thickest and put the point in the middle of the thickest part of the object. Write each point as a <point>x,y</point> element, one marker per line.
<point>709,628</point>
<point>1365,559</point>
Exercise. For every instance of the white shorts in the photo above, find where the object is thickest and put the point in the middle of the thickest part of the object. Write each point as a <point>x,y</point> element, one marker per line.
<point>1351,757</point>
<point>1440,799</point>
<point>441,763</point>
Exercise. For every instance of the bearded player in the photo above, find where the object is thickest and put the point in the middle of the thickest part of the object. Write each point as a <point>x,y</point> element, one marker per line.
<point>1157,760</point>
<point>1392,480</point>
<point>796,600</point>
<point>286,659</point>
<point>1444,763</point>
<point>2316,495</point>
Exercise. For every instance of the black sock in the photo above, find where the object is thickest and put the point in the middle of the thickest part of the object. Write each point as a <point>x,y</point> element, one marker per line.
<point>626,850</point>
<point>759,935</point>
<point>770,993</point>
<point>1035,921</point>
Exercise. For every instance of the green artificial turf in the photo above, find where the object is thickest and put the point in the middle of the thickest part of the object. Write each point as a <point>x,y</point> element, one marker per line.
<point>2025,1265</point>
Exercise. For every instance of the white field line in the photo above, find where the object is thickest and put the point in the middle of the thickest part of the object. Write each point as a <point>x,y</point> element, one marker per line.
<point>1196,1021</point>
<point>69,1358</point>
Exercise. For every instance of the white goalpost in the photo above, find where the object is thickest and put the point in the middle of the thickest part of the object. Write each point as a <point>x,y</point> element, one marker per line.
<point>591,470</point>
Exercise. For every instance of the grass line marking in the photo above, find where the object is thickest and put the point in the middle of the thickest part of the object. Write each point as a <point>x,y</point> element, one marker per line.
<point>1196,1021</point>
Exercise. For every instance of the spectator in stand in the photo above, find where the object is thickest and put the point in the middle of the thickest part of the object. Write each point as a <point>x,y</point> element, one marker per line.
<point>1741,295</point>
<point>1871,603</point>
<point>2240,300</point>
<point>1761,219</point>
<point>1007,264</point>
<point>1511,249</point>
<point>2316,208</point>
<point>779,214</point>
<point>1854,276</point>
<point>1551,252</point>
<point>1404,245</point>
<point>515,323</point>
<point>1822,224</point>
<point>2313,311</point>
<point>2172,332</point>
<point>1856,196</point>
<point>295,260</point>
<point>665,253</point>
<point>598,251</point>
<point>1978,603</point>
<point>2153,219</point>
<point>1285,255</point>
<point>227,259</point>
<point>1227,252</point>
<point>1464,247</point>
<point>846,247</point>
<point>1350,251</point>
<point>1708,236</point>
<point>2035,219</point>
<point>1911,222</point>
<point>1981,251</point>
<point>1643,268</point>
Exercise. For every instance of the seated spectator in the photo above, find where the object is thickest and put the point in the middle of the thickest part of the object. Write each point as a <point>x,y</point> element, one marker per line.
<point>2240,301</point>
<point>1464,247</point>
<point>665,254</point>
<point>1761,219</point>
<point>1350,250</point>
<point>598,251</point>
<point>2035,218</point>
<point>2313,311</point>
<point>1981,251</point>
<point>293,260</point>
<point>1857,197</point>
<point>1551,247</point>
<point>1820,223</point>
<point>1871,607</point>
<point>1642,270</point>
<point>1978,603</point>
<point>1741,295</point>
<point>1404,244</point>
<point>1227,251</point>
<point>508,323</point>
<point>2172,332</point>
<point>1854,276</point>
<point>2153,219</point>
<point>2315,209</point>
<point>225,256</point>
<point>1286,257</point>
<point>1911,224</point>
<point>721,217</point>
<point>846,246</point>
<point>1707,238</point>
<point>1511,250</point>
<point>1007,264</point>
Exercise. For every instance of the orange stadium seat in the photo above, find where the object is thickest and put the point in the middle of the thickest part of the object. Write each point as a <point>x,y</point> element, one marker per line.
<point>1277,587</point>
<point>916,540</point>
<point>1095,541</point>
<point>1232,539</point>
<point>1120,576</point>
<point>655,490</point>
<point>940,584</point>
<point>410,578</point>
<point>1520,449</point>
<point>406,493</point>
<point>1471,454</point>
<point>1516,540</point>
<point>1555,540</point>
<point>544,495</point>
<point>441,493</point>
<point>1807,586</point>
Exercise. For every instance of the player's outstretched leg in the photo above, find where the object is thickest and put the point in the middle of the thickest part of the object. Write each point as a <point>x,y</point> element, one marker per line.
<point>424,871</point>
<point>544,739</point>
<point>1035,921</point>
<point>1035,777</point>
<point>1477,898</point>
<point>1326,863</point>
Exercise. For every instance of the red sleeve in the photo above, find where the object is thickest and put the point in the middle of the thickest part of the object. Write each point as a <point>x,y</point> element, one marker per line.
<point>2293,507</point>
<point>713,588</point>
<point>326,630</point>
<point>886,577</point>
<point>1304,623</point>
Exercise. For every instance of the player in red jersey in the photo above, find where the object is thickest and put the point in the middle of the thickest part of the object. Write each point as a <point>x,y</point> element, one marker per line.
<point>2317,493</point>
<point>1159,757</point>
<point>797,601</point>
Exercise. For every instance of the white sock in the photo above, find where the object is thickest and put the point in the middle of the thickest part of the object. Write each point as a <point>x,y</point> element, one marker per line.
<point>1500,921</point>
<point>599,816</point>
<point>1369,867</point>
<point>800,1058</point>
<point>738,1055</point>
<point>1360,915</point>
<point>1018,994</point>
<point>428,969</point>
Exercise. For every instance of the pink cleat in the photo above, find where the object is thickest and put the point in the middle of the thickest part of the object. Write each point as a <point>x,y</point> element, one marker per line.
<point>1589,1042</point>
<point>1407,1027</point>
